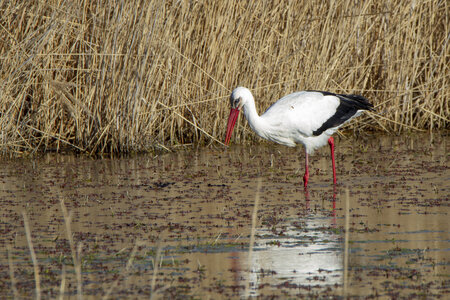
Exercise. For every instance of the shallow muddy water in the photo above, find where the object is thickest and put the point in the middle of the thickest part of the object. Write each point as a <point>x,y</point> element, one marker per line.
<point>184,224</point>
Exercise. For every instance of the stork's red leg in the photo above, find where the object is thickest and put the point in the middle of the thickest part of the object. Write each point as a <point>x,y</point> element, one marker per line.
<point>331,143</point>
<point>306,176</point>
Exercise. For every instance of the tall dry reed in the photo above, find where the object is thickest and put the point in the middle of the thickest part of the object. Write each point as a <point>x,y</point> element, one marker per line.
<point>107,76</point>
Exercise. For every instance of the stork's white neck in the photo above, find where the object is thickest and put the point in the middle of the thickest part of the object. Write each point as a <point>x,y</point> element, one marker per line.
<point>257,123</point>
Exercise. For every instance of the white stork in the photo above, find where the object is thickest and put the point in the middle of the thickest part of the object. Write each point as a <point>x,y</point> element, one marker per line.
<point>307,117</point>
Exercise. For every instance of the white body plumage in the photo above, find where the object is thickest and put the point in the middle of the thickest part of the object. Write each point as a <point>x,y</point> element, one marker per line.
<point>294,118</point>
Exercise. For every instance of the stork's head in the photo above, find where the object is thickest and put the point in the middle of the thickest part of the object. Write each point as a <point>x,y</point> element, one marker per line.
<point>238,99</point>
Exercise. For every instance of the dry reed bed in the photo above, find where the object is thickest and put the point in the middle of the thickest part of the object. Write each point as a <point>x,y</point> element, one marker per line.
<point>108,76</point>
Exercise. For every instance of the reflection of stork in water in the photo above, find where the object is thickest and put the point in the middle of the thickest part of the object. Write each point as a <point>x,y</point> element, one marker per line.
<point>308,253</point>
<point>309,118</point>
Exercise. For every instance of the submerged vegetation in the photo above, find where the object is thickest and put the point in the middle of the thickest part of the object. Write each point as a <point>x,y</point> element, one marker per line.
<point>109,76</point>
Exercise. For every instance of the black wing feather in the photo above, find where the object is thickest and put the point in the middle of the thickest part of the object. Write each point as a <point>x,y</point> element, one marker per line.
<point>349,105</point>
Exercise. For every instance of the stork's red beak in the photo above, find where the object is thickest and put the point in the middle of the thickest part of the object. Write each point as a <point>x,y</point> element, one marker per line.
<point>234,113</point>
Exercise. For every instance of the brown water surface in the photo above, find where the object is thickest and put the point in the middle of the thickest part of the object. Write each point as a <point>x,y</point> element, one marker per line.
<point>179,224</point>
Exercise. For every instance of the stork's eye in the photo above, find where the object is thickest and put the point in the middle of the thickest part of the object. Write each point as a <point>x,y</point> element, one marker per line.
<point>235,102</point>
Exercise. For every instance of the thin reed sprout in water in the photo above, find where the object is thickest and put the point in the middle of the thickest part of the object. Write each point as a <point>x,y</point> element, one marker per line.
<point>37,277</point>
<point>12,277</point>
<point>97,78</point>
<point>252,239</point>
<point>76,254</point>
